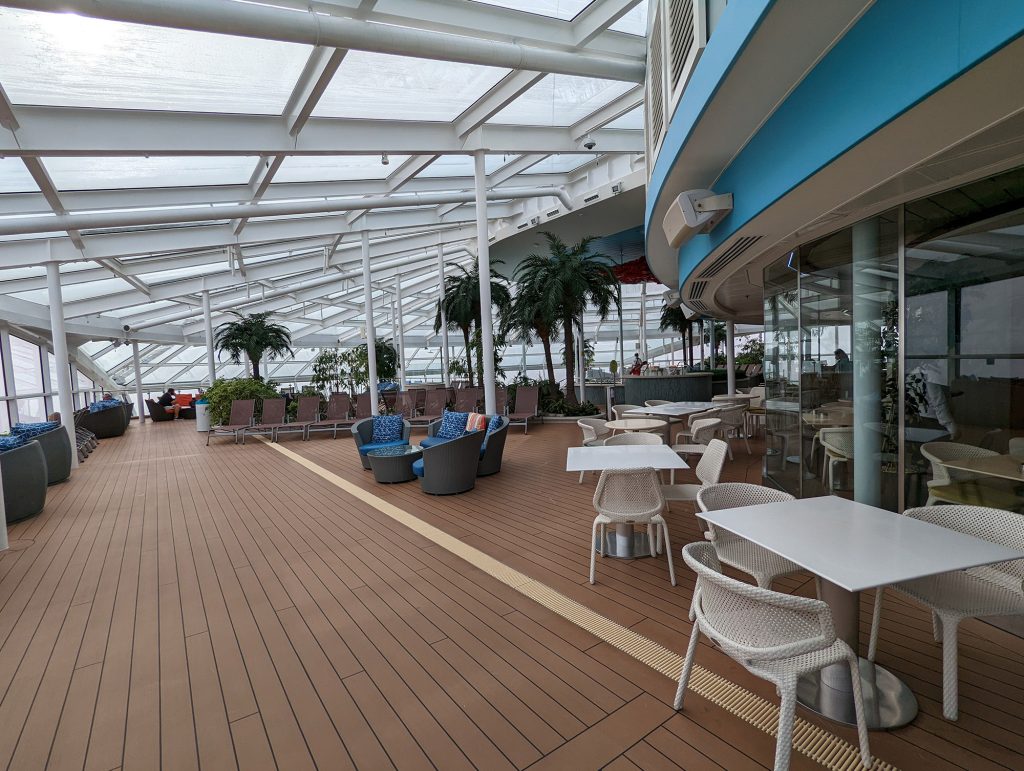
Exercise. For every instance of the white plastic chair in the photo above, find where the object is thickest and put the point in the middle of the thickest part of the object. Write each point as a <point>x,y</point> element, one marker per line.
<point>838,446</point>
<point>630,496</point>
<point>594,433</point>
<point>708,470</point>
<point>991,590</point>
<point>777,637</point>
<point>765,566</point>
<point>685,436</point>
<point>734,422</point>
<point>619,411</point>
<point>637,438</point>
<point>701,432</point>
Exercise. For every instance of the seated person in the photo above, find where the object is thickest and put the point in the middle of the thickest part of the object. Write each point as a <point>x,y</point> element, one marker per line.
<point>169,403</point>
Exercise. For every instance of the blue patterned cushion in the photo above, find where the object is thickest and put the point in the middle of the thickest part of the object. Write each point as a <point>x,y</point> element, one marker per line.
<point>494,424</point>
<point>105,404</point>
<point>387,428</point>
<point>34,429</point>
<point>417,467</point>
<point>10,442</point>
<point>453,425</point>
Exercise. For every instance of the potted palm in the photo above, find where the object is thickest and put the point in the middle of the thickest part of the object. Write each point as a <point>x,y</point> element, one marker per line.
<point>461,305</point>
<point>255,336</point>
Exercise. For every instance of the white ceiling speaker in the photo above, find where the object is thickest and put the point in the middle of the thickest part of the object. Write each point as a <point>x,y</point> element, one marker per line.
<point>693,212</point>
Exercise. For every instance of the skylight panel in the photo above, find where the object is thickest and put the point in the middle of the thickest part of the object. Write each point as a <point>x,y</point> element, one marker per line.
<point>14,177</point>
<point>634,119</point>
<point>560,164</point>
<point>384,87</point>
<point>463,166</point>
<point>62,59</point>
<point>98,173</point>
<point>561,100</point>
<point>633,21</point>
<point>556,9</point>
<point>320,168</point>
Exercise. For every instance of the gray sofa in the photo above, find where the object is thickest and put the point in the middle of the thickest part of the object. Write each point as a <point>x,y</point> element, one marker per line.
<point>450,467</point>
<point>24,478</point>
<point>490,460</point>
<point>362,432</point>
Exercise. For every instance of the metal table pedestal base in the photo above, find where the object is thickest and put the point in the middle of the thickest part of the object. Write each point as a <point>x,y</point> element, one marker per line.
<point>888,703</point>
<point>623,542</point>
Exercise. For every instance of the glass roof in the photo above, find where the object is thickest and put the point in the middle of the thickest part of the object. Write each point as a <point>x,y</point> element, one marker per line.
<point>71,173</point>
<point>14,177</point>
<point>324,168</point>
<point>561,100</point>
<point>557,9</point>
<point>68,60</point>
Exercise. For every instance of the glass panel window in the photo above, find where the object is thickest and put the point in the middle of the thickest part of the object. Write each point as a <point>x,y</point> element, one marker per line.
<point>558,9</point>
<point>14,177</point>
<point>561,100</point>
<point>73,173</point>
<point>28,371</point>
<point>326,168</point>
<point>31,410</point>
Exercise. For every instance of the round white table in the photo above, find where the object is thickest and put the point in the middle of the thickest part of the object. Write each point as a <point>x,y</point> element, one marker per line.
<point>632,425</point>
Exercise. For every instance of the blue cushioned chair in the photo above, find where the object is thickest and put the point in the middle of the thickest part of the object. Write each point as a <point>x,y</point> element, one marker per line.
<point>450,467</point>
<point>493,448</point>
<point>362,432</point>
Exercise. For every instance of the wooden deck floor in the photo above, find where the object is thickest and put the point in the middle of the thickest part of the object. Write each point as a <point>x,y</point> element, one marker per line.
<point>178,606</point>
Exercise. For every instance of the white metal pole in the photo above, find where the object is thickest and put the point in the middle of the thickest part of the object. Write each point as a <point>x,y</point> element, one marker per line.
<point>579,367</point>
<point>730,358</point>
<point>371,336</point>
<point>401,332</point>
<point>484,263</point>
<point>60,354</point>
<point>140,402</point>
<point>643,321</point>
<point>211,367</point>
<point>445,377</point>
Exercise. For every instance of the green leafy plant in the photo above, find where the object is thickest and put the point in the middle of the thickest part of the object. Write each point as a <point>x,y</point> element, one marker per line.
<point>223,392</point>
<point>329,371</point>
<point>579,410</point>
<point>307,390</point>
<point>254,335</point>
<point>752,352</point>
<point>357,364</point>
<point>528,318</point>
<point>462,311</point>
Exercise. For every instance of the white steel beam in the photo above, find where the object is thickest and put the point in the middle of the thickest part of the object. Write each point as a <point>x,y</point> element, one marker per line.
<point>598,16</point>
<point>271,23</point>
<point>484,266</point>
<point>614,109</point>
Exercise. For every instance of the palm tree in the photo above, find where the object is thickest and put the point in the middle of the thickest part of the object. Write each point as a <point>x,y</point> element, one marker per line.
<point>526,319</point>
<point>462,306</point>
<point>674,318</point>
<point>568,279</point>
<point>255,336</point>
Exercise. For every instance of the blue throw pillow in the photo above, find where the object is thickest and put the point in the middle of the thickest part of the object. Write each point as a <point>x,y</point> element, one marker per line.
<point>105,404</point>
<point>494,424</point>
<point>453,425</point>
<point>34,429</point>
<point>387,428</point>
<point>12,441</point>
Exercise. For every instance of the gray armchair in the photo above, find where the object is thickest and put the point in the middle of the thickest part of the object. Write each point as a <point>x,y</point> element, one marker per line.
<point>56,446</point>
<point>24,478</point>
<point>490,461</point>
<point>362,432</point>
<point>450,467</point>
<point>106,423</point>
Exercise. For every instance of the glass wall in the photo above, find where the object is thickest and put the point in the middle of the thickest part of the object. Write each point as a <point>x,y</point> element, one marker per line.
<point>28,379</point>
<point>848,412</point>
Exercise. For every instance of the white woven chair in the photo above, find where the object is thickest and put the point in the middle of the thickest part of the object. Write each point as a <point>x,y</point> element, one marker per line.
<point>619,411</point>
<point>630,496</point>
<point>658,402</point>
<point>765,566</point>
<point>949,485</point>
<point>992,590</point>
<point>777,637</point>
<point>685,436</point>
<point>701,432</point>
<point>756,410</point>
<point>783,427</point>
<point>708,470</point>
<point>838,446</point>
<point>636,438</point>
<point>594,433</point>
<point>734,422</point>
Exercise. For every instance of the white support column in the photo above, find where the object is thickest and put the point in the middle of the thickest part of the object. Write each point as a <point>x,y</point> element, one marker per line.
<point>730,358</point>
<point>580,362</point>
<point>60,354</point>
<point>445,377</point>
<point>371,335</point>
<point>8,372</point>
<point>643,321</point>
<point>713,346</point>
<point>140,401</point>
<point>403,382</point>
<point>211,367</point>
<point>484,262</point>
<point>701,345</point>
<point>867,365</point>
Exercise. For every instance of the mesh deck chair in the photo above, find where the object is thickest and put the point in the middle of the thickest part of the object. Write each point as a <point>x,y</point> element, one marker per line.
<point>240,419</point>
<point>305,416</point>
<point>500,400</point>
<point>271,419</point>
<point>405,405</point>
<point>363,406</point>
<point>467,398</point>
<point>339,409</point>
<point>433,407</point>
<point>775,636</point>
<point>527,399</point>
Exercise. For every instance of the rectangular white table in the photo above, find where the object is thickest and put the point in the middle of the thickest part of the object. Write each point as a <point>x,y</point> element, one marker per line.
<point>623,542</point>
<point>673,409</point>
<point>851,547</point>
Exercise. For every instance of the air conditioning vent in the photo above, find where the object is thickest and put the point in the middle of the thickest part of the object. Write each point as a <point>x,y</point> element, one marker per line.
<point>739,246</point>
<point>697,290</point>
<point>524,225</point>
<point>697,305</point>
<point>616,188</point>
<point>681,18</point>
<point>553,212</point>
<point>534,220</point>
<point>655,85</point>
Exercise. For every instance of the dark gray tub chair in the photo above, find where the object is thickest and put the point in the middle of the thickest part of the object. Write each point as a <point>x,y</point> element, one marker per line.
<point>450,467</point>
<point>106,423</point>
<point>490,461</point>
<point>56,445</point>
<point>24,477</point>
<point>362,432</point>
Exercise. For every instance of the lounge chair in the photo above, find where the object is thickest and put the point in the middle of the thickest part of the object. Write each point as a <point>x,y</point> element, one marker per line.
<point>466,399</point>
<point>450,467</point>
<point>157,412</point>
<point>240,419</point>
<point>493,449</point>
<point>363,410</point>
<point>272,419</point>
<point>23,470</point>
<point>527,399</point>
<point>339,415</point>
<point>433,407</point>
<point>362,432</point>
<point>405,405</point>
<point>500,400</point>
<point>305,416</point>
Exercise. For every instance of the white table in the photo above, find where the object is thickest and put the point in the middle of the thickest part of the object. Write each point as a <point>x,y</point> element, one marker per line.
<point>673,409</point>
<point>623,542</point>
<point>851,547</point>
